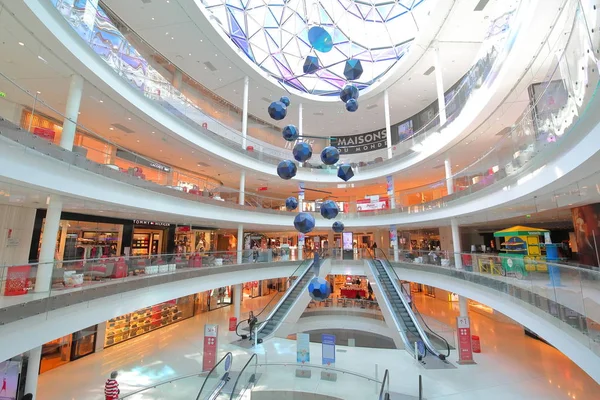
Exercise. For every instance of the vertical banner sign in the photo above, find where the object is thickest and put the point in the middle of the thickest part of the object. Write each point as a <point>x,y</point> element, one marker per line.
<point>302,348</point>
<point>393,236</point>
<point>465,351</point>
<point>301,240</point>
<point>328,349</point>
<point>301,195</point>
<point>209,356</point>
<point>390,185</point>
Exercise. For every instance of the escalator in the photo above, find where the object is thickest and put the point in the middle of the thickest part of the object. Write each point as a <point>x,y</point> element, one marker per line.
<point>410,324</point>
<point>276,312</point>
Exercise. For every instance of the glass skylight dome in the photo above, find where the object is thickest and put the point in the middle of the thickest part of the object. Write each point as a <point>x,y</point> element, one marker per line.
<point>274,35</point>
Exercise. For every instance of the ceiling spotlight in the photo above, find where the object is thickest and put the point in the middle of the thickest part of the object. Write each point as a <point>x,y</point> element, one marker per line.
<point>101,101</point>
<point>21,44</point>
<point>111,129</point>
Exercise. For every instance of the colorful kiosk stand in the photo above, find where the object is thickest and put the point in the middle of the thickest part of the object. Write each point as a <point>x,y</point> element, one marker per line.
<point>523,250</point>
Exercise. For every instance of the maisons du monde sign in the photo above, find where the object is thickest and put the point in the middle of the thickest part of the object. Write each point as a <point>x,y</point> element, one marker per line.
<point>362,142</point>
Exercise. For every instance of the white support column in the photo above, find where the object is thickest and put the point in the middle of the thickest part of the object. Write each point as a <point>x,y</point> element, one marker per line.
<point>463,306</point>
<point>449,179</point>
<point>71,112</point>
<point>300,119</point>
<point>242,198</point>
<point>33,370</point>
<point>100,337</point>
<point>43,276</point>
<point>456,243</point>
<point>237,301</point>
<point>245,113</point>
<point>240,243</point>
<point>300,247</point>
<point>439,82</point>
<point>388,124</point>
<point>177,80</point>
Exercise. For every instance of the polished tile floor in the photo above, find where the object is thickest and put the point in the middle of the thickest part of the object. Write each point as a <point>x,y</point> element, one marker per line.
<point>511,366</point>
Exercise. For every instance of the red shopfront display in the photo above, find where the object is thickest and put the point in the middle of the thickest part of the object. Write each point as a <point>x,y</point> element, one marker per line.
<point>17,280</point>
<point>44,133</point>
<point>374,203</point>
<point>209,355</point>
<point>465,350</point>
<point>351,293</point>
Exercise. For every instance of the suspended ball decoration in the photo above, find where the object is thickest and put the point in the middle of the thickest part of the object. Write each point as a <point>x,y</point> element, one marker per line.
<point>319,289</point>
<point>304,222</point>
<point>329,209</point>
<point>320,39</point>
<point>330,155</point>
<point>352,105</point>
<point>290,133</point>
<point>353,69</point>
<point>349,92</point>
<point>291,203</point>
<point>285,100</point>
<point>311,64</point>
<point>337,227</point>
<point>345,172</point>
<point>277,110</point>
<point>302,151</point>
<point>287,169</point>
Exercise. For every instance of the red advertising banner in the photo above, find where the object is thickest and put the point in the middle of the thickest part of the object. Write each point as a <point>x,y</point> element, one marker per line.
<point>374,203</point>
<point>16,280</point>
<point>44,133</point>
<point>209,355</point>
<point>465,351</point>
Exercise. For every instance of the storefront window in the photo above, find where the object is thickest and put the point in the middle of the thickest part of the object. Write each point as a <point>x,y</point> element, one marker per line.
<point>84,342</point>
<point>221,297</point>
<point>55,353</point>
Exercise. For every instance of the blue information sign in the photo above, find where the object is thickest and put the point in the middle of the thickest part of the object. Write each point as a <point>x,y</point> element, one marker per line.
<point>328,349</point>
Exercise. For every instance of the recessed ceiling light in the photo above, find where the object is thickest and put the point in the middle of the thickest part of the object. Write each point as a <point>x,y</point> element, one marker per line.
<point>152,18</point>
<point>138,140</point>
<point>38,92</point>
<point>129,118</point>
<point>21,44</point>
<point>101,101</point>
<point>153,132</point>
<point>111,129</point>
<point>42,58</point>
<point>189,54</point>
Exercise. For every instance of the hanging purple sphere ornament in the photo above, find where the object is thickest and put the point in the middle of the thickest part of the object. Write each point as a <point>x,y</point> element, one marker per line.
<point>302,152</point>
<point>285,100</point>
<point>330,155</point>
<point>277,110</point>
<point>320,39</point>
<point>349,92</point>
<point>311,65</point>
<point>287,169</point>
<point>319,289</point>
<point>304,222</point>
<point>291,203</point>
<point>337,227</point>
<point>352,105</point>
<point>329,209</point>
<point>290,133</point>
<point>345,172</point>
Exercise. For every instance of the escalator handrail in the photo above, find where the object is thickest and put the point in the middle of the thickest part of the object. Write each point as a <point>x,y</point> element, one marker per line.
<point>383,392</point>
<point>177,378</point>
<point>211,371</point>
<point>415,308</point>
<point>253,357</point>
<point>409,309</point>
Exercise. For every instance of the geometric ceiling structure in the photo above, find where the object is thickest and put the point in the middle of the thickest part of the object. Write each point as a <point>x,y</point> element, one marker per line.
<point>273,34</point>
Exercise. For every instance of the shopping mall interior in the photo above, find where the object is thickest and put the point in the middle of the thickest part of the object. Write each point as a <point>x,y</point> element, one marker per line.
<point>299,199</point>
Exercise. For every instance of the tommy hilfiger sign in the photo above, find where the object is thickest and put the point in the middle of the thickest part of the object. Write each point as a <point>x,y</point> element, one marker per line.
<point>151,223</point>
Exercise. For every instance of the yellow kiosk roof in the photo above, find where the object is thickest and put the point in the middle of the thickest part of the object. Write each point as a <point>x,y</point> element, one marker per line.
<point>520,231</point>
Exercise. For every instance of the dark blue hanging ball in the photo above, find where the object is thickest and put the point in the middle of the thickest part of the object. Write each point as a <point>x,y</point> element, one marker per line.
<point>302,152</point>
<point>329,209</point>
<point>304,222</point>
<point>319,289</point>
<point>352,105</point>
<point>349,92</point>
<point>345,172</point>
<point>320,39</point>
<point>330,155</point>
<point>277,110</point>
<point>290,133</point>
<point>287,169</point>
<point>337,227</point>
<point>285,100</point>
<point>291,203</point>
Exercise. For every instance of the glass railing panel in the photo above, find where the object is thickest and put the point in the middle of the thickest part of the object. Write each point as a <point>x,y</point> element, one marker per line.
<point>246,379</point>
<point>216,378</point>
<point>181,388</point>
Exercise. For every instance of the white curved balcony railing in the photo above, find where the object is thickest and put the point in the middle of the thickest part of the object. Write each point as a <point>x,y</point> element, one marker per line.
<point>538,135</point>
<point>130,48</point>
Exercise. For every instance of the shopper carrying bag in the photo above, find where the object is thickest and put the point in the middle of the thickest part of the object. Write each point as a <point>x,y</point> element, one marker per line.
<point>111,387</point>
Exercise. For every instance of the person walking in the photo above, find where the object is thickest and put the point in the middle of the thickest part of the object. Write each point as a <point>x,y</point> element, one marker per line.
<point>252,320</point>
<point>111,387</point>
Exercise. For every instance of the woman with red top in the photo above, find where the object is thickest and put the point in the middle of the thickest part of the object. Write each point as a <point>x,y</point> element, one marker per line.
<point>111,387</point>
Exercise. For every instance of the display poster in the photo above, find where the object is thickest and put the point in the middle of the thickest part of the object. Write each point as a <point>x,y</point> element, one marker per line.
<point>328,349</point>
<point>9,382</point>
<point>347,240</point>
<point>465,351</point>
<point>372,204</point>
<point>405,130</point>
<point>301,239</point>
<point>16,280</point>
<point>300,192</point>
<point>587,233</point>
<point>393,235</point>
<point>302,348</point>
<point>209,355</point>
<point>390,185</point>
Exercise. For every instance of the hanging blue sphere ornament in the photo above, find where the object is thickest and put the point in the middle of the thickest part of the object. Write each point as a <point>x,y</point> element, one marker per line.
<point>277,110</point>
<point>353,69</point>
<point>302,151</point>
<point>291,203</point>
<point>311,64</point>
<point>349,92</point>
<point>352,105</point>
<point>287,169</point>
<point>290,133</point>
<point>329,209</point>
<point>330,155</point>
<point>345,172</point>
<point>285,100</point>
<point>319,289</point>
<point>337,227</point>
<point>320,39</point>
<point>304,222</point>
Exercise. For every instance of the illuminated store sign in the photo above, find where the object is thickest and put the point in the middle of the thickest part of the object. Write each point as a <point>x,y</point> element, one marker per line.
<point>152,223</point>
